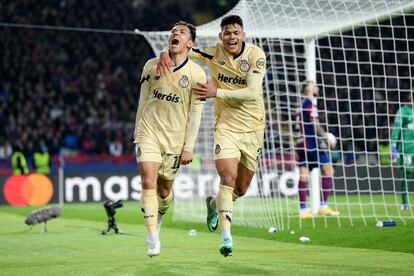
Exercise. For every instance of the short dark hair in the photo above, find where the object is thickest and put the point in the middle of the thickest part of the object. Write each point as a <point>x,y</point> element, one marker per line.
<point>189,26</point>
<point>231,20</point>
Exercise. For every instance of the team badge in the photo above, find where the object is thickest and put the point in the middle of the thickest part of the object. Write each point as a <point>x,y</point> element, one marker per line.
<point>218,149</point>
<point>220,62</point>
<point>244,65</point>
<point>260,63</point>
<point>184,81</point>
<point>157,77</point>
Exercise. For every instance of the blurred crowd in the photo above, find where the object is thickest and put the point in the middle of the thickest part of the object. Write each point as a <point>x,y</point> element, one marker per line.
<point>70,90</point>
<point>364,74</point>
<point>364,83</point>
<point>78,91</point>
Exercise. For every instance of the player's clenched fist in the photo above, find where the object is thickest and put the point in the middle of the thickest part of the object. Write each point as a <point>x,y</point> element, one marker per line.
<point>186,157</point>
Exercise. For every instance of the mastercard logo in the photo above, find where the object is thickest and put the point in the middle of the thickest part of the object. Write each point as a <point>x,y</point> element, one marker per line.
<point>35,190</point>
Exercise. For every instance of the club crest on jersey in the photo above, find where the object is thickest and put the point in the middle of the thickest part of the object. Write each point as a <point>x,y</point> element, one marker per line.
<point>221,62</point>
<point>244,65</point>
<point>218,149</point>
<point>260,63</point>
<point>157,77</point>
<point>184,81</point>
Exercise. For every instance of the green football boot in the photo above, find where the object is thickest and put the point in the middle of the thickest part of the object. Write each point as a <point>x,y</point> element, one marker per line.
<point>212,216</point>
<point>226,247</point>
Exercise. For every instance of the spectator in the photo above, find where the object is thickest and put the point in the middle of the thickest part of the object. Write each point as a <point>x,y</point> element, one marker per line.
<point>41,159</point>
<point>5,150</point>
<point>72,82</point>
<point>115,147</point>
<point>18,162</point>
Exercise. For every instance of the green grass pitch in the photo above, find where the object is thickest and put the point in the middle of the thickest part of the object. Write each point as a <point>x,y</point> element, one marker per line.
<point>73,245</point>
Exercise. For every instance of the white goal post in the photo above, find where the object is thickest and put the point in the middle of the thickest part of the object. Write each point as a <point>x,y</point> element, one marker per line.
<point>361,55</point>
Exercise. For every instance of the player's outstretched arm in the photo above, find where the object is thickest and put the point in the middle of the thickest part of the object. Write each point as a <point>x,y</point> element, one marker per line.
<point>329,138</point>
<point>193,123</point>
<point>319,130</point>
<point>165,63</point>
<point>396,131</point>
<point>143,97</point>
<point>252,92</point>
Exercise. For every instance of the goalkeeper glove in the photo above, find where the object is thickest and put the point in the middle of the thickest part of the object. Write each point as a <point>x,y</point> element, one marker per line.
<point>394,152</point>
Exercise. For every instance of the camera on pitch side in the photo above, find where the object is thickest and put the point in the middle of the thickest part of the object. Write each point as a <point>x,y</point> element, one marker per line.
<point>111,206</point>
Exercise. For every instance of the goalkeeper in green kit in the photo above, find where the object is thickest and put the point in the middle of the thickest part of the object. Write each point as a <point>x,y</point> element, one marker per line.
<point>402,147</point>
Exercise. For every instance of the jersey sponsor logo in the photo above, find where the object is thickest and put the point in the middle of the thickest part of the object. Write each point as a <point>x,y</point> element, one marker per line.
<point>260,63</point>
<point>218,149</point>
<point>244,65</point>
<point>234,80</point>
<point>184,81</point>
<point>34,190</point>
<point>167,97</point>
<point>256,71</point>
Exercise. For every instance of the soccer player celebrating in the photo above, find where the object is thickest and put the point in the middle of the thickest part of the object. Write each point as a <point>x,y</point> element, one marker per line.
<point>237,69</point>
<point>311,153</point>
<point>402,147</point>
<point>166,127</point>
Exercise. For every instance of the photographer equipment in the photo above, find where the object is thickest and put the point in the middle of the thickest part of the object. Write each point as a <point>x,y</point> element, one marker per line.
<point>43,215</point>
<point>110,208</point>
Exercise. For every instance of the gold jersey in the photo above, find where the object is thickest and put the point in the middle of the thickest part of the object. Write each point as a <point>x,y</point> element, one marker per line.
<point>168,110</point>
<point>239,102</point>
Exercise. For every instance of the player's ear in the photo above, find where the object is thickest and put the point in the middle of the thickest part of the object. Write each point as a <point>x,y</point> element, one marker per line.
<point>220,35</point>
<point>243,35</point>
<point>190,44</point>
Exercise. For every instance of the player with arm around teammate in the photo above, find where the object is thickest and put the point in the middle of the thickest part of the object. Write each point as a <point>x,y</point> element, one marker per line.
<point>237,70</point>
<point>402,147</point>
<point>310,154</point>
<point>166,127</point>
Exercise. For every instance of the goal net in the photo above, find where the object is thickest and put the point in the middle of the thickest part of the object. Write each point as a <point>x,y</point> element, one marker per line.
<point>359,52</point>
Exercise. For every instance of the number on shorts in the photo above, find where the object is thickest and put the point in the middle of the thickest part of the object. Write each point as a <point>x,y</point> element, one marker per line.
<point>176,164</point>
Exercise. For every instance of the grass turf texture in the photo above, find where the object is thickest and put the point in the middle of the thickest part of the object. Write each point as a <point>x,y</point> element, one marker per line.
<point>74,246</point>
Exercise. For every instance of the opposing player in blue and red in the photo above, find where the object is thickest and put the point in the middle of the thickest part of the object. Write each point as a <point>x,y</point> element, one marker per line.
<point>312,151</point>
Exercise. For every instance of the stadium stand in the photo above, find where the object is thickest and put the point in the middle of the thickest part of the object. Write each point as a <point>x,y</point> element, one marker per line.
<point>78,90</point>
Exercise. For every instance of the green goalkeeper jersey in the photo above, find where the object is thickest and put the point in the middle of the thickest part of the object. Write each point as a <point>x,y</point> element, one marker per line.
<point>403,130</point>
